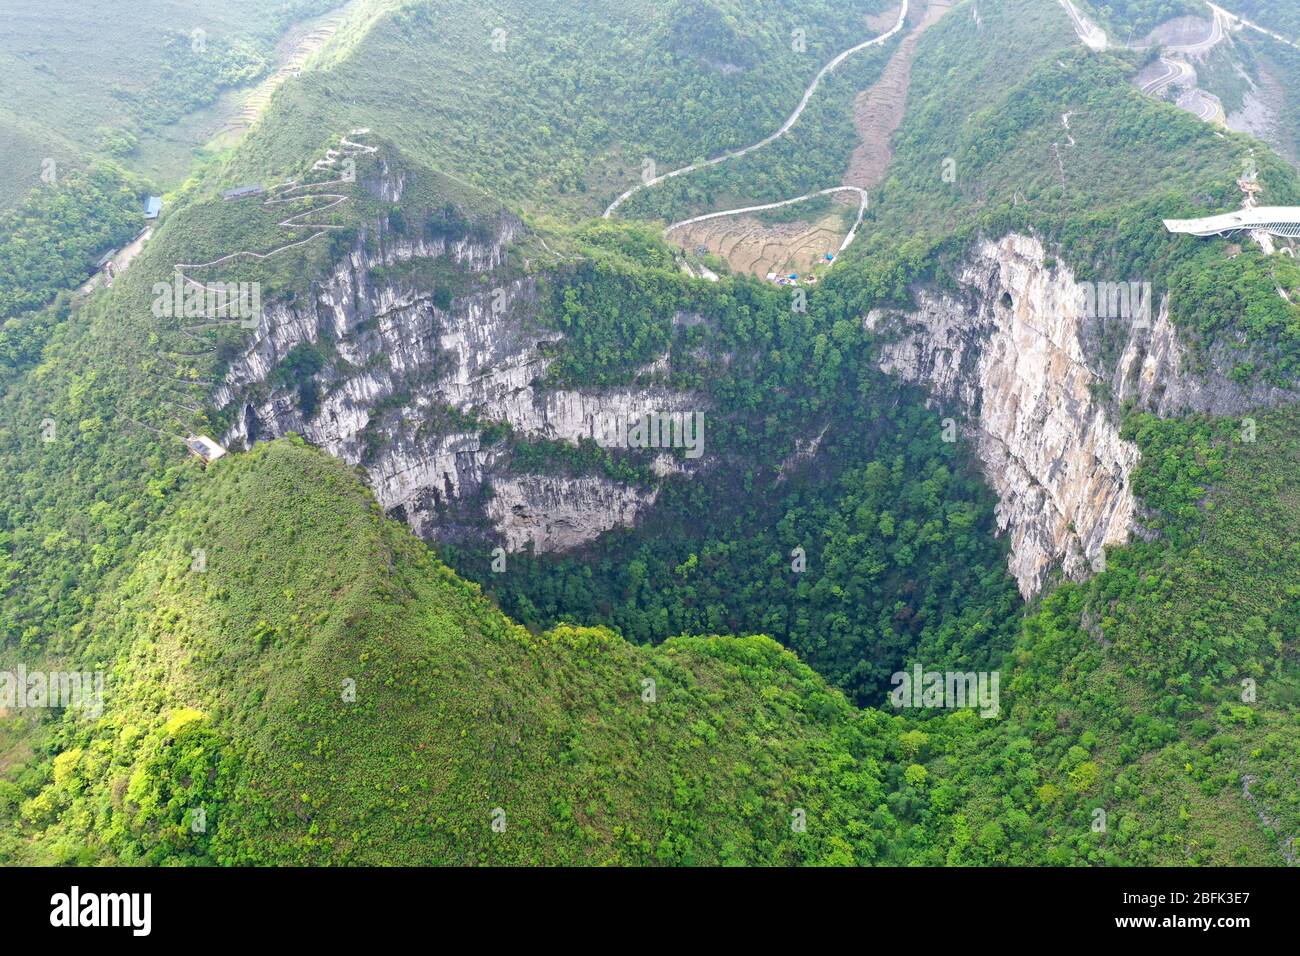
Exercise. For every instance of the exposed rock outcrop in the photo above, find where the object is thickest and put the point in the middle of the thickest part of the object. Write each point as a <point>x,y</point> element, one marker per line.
<point>407,384</point>
<point>1018,352</point>
<point>557,514</point>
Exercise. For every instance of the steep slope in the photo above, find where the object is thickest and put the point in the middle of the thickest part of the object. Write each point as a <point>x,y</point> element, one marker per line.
<point>1036,184</point>
<point>318,689</point>
<point>429,329</point>
<point>460,352</point>
<point>293,679</point>
<point>138,81</point>
<point>878,110</point>
<point>1019,350</point>
<point>1154,711</point>
<point>464,359</point>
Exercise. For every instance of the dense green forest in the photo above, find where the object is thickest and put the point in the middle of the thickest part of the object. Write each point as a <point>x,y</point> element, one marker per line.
<point>1147,725</point>
<point>193,72</point>
<point>630,88</point>
<point>367,706</point>
<point>895,528</point>
<point>1163,691</point>
<point>812,156</point>
<point>51,242</point>
<point>295,678</point>
<point>1142,16</point>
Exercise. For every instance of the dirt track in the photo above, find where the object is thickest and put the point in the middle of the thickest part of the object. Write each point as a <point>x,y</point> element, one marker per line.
<point>750,246</point>
<point>878,111</point>
<point>785,127</point>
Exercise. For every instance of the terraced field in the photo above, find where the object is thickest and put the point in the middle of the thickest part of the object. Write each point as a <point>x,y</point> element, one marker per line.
<point>750,246</point>
<point>295,50</point>
<point>753,247</point>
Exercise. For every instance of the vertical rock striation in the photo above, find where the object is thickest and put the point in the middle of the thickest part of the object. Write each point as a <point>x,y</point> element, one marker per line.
<point>1017,352</point>
<point>407,385</point>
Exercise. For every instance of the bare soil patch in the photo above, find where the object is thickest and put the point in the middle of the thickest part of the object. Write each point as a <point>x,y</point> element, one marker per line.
<point>878,111</point>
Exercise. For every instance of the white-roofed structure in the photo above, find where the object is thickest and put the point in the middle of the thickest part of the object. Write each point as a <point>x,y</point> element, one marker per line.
<point>1274,220</point>
<point>204,448</point>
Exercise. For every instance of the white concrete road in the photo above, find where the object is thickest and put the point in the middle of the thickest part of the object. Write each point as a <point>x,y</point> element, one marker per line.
<point>785,128</point>
<point>862,209</point>
<point>1232,18</point>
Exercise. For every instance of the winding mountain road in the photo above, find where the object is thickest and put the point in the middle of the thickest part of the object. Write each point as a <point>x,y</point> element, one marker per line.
<point>1217,33</point>
<point>277,195</point>
<point>1174,71</point>
<point>862,209</point>
<point>785,128</point>
<point>1204,106</point>
<point>1095,38</point>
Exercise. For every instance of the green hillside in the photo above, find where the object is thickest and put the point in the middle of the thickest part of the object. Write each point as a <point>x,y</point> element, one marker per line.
<point>227,694</point>
<point>295,678</point>
<point>1127,691</point>
<point>135,82</point>
<point>559,107</point>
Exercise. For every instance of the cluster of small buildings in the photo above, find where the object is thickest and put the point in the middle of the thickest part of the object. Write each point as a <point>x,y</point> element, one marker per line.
<point>793,277</point>
<point>107,264</point>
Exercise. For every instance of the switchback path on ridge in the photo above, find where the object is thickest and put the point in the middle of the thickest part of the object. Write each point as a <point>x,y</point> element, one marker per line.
<point>282,193</point>
<point>276,195</point>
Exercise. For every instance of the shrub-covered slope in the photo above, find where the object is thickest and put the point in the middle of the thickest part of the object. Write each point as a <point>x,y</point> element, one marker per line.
<point>325,691</point>
<point>1154,711</point>
<point>229,686</point>
<point>313,687</point>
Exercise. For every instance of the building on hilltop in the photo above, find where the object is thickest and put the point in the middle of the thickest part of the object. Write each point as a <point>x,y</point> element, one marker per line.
<point>204,448</point>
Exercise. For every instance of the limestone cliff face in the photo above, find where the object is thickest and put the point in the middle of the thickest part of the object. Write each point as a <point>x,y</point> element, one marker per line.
<point>407,385</point>
<point>1018,356</point>
<point>557,516</point>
